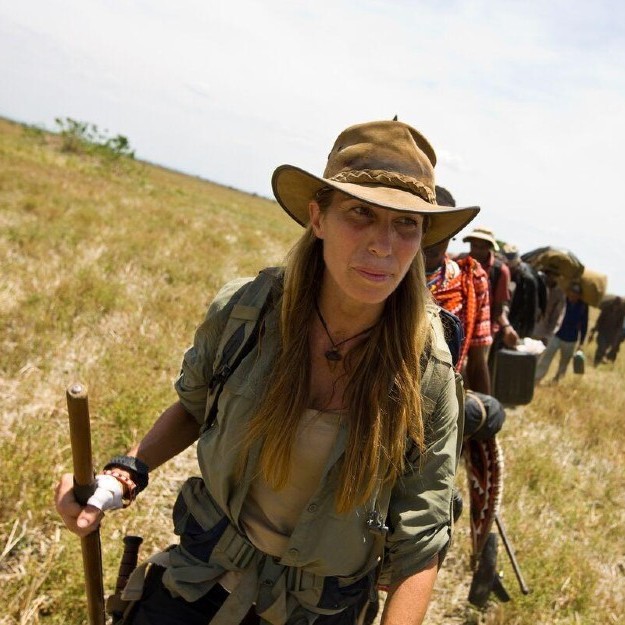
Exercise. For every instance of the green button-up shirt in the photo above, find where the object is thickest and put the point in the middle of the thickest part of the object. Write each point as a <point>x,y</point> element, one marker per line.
<point>323,543</point>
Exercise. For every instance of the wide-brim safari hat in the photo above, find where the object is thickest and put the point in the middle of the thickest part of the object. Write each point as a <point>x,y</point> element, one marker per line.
<point>483,234</point>
<point>387,164</point>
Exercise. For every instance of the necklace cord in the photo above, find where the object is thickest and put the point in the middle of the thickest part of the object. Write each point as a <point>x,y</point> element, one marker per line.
<point>333,354</point>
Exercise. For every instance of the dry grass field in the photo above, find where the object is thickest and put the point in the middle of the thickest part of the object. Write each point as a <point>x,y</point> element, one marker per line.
<point>107,267</point>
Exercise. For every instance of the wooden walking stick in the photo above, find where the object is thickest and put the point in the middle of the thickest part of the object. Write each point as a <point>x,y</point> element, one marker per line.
<point>84,486</point>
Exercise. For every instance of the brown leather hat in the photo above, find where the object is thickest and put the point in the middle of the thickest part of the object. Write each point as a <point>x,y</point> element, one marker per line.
<point>386,163</point>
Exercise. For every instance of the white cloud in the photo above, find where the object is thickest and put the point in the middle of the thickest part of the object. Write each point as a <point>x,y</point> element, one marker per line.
<point>522,101</point>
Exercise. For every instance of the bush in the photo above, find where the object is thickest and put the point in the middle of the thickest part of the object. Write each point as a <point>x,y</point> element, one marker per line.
<point>86,138</point>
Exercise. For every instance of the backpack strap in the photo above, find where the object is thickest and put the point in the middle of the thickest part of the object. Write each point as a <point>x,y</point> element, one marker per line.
<point>429,391</point>
<point>454,334</point>
<point>241,333</point>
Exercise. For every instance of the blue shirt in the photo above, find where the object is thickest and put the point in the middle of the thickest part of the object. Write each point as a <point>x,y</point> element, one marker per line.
<point>575,322</point>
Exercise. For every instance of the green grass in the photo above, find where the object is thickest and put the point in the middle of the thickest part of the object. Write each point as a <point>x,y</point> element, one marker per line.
<point>108,267</point>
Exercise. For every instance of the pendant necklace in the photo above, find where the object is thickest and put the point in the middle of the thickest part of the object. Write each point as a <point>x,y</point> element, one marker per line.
<point>333,354</point>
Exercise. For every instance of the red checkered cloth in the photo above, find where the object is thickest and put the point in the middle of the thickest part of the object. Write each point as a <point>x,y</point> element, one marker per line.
<point>461,287</point>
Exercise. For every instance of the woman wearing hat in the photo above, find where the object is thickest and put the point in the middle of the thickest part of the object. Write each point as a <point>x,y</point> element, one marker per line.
<point>329,454</point>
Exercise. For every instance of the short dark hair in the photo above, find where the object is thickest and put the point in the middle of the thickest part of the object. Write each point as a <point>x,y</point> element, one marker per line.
<point>444,198</point>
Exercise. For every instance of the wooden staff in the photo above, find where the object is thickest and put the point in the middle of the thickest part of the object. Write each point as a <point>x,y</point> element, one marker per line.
<point>84,487</point>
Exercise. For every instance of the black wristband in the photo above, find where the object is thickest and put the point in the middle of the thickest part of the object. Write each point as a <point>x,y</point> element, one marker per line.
<point>140,471</point>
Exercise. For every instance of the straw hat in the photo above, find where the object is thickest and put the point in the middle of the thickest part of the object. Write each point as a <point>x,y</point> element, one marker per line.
<point>483,234</point>
<point>510,251</point>
<point>386,163</point>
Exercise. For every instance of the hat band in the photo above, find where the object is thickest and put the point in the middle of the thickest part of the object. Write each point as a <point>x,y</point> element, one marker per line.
<point>391,179</point>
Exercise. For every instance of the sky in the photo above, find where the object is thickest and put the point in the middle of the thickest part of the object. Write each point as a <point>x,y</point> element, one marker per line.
<point>523,101</point>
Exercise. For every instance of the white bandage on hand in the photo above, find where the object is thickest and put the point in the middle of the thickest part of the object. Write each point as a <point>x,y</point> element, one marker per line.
<point>108,493</point>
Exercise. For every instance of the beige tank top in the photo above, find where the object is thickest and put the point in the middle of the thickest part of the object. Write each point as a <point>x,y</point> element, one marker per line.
<point>269,516</point>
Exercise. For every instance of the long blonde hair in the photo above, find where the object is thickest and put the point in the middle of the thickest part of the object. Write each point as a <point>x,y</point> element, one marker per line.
<point>382,393</point>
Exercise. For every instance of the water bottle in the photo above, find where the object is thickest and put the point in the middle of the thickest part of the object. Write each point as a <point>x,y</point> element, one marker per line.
<point>579,361</point>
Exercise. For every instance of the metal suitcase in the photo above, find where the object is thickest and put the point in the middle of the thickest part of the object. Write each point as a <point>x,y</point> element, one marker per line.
<point>513,377</point>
